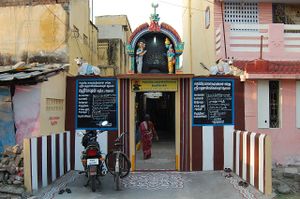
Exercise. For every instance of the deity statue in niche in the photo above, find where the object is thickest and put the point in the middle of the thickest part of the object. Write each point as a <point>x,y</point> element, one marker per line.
<point>140,52</point>
<point>170,55</point>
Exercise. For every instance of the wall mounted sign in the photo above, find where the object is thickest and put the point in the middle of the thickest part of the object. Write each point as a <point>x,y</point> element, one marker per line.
<point>213,102</point>
<point>96,101</point>
<point>141,85</point>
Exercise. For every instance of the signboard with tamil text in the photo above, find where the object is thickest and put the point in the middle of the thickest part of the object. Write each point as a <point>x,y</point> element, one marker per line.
<point>96,101</point>
<point>213,102</point>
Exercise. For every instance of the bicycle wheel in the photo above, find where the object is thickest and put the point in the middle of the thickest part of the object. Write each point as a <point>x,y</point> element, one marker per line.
<point>125,164</point>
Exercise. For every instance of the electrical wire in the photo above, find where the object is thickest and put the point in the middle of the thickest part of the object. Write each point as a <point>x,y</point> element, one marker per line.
<point>62,21</point>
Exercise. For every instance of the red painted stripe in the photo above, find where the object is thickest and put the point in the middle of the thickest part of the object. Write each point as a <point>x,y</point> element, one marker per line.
<point>234,151</point>
<point>187,124</point>
<point>39,161</point>
<point>248,45</point>
<point>49,159</point>
<point>70,115</point>
<point>57,155</point>
<point>127,137</point>
<point>248,157</point>
<point>264,164</point>
<point>256,160</point>
<point>292,46</point>
<point>241,155</point>
<point>197,144</point>
<point>30,161</point>
<point>65,153</point>
<point>218,147</point>
<point>248,38</point>
<point>239,105</point>
<point>182,122</point>
<point>111,136</point>
<point>72,149</point>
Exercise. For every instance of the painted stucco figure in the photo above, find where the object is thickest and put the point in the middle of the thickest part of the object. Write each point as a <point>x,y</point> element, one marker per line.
<point>85,68</point>
<point>170,55</point>
<point>140,52</point>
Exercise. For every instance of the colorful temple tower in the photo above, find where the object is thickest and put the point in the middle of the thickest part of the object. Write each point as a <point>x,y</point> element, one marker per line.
<point>155,48</point>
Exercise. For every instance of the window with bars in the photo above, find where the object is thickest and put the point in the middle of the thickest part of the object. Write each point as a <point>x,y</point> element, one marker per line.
<point>274,104</point>
<point>241,13</point>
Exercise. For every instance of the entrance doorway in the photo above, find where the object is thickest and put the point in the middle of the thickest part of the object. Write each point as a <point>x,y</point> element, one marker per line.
<point>161,108</point>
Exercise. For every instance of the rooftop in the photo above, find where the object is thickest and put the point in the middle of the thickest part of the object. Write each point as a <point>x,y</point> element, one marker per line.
<point>22,74</point>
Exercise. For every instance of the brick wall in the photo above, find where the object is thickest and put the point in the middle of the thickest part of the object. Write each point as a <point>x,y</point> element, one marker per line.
<point>5,3</point>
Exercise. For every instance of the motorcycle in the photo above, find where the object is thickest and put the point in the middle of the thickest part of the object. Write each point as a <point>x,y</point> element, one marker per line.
<point>92,160</point>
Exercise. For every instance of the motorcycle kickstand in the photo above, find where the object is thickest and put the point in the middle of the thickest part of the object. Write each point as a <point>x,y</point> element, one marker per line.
<point>87,183</point>
<point>98,181</point>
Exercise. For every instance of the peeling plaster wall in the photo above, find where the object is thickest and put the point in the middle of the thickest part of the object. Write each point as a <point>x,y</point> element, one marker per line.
<point>27,111</point>
<point>7,129</point>
<point>28,31</point>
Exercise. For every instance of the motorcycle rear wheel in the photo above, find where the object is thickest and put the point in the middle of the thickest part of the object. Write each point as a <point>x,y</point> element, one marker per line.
<point>93,183</point>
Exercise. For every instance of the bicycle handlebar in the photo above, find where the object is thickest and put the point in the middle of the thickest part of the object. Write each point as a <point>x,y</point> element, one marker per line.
<point>120,136</point>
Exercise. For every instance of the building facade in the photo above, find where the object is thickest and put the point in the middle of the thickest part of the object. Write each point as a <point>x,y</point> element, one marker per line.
<point>47,31</point>
<point>112,38</point>
<point>262,39</point>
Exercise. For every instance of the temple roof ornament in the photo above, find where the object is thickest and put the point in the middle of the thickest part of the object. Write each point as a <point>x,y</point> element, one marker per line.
<point>154,19</point>
<point>155,28</point>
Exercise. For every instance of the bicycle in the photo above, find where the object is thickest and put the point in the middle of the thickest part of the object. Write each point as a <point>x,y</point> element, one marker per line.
<point>117,162</point>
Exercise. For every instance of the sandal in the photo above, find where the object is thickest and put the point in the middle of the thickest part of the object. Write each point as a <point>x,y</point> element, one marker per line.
<point>227,170</point>
<point>68,190</point>
<point>61,191</point>
<point>243,184</point>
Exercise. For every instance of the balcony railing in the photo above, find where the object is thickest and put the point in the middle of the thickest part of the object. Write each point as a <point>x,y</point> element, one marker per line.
<point>251,41</point>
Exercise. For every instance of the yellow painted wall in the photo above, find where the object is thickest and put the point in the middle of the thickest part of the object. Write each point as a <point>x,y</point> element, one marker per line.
<point>33,29</point>
<point>79,45</point>
<point>52,111</point>
<point>199,41</point>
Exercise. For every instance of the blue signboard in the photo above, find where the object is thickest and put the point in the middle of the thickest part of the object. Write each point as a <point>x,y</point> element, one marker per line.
<point>213,102</point>
<point>96,101</point>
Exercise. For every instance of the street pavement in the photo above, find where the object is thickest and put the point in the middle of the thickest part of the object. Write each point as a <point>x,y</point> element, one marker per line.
<point>156,185</point>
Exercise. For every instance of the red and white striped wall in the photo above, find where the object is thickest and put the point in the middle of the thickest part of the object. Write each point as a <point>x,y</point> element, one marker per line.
<point>46,159</point>
<point>252,159</point>
<point>212,147</point>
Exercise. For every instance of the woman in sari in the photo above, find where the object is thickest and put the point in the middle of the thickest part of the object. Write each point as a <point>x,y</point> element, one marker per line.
<point>147,131</point>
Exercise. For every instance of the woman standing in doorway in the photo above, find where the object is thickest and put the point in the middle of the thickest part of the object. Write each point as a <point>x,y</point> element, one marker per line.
<point>147,131</point>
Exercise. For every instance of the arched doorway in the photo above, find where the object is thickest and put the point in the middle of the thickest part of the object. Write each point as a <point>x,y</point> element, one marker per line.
<point>155,59</point>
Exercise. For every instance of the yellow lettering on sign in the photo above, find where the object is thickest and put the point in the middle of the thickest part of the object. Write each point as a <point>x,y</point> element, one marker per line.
<point>153,85</point>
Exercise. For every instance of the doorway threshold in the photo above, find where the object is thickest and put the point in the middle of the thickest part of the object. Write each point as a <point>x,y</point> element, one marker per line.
<point>154,170</point>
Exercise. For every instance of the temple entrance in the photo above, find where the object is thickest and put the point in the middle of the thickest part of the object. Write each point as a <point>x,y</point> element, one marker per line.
<point>161,108</point>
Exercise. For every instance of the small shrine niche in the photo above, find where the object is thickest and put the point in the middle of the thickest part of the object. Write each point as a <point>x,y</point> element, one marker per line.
<point>154,48</point>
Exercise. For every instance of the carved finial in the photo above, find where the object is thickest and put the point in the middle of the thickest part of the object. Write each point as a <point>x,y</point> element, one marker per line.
<point>154,6</point>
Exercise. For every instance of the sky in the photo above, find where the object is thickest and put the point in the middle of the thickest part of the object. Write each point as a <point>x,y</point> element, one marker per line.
<point>139,11</point>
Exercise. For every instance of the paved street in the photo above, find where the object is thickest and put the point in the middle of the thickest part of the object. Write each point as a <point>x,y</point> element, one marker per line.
<point>148,185</point>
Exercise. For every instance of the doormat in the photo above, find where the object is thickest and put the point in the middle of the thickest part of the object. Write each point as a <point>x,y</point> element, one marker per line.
<point>155,181</point>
